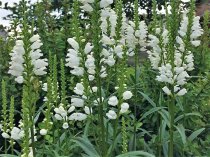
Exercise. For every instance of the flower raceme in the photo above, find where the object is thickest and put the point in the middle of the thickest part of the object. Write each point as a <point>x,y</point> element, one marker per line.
<point>15,133</point>
<point>87,4</point>
<point>74,58</point>
<point>114,102</point>
<point>176,75</point>
<point>17,59</point>
<point>18,55</point>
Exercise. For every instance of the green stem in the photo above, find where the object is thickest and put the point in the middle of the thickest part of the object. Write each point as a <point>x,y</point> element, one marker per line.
<point>12,146</point>
<point>32,135</point>
<point>136,50</point>
<point>171,131</point>
<point>101,117</point>
<point>5,145</point>
<point>135,97</point>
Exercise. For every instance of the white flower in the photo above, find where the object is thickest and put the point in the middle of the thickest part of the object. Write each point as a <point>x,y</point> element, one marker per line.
<point>44,88</point>
<point>36,45</point>
<point>184,23</point>
<point>78,71</point>
<point>87,7</point>
<point>78,116</point>
<point>17,133</point>
<point>196,29</point>
<point>5,135</point>
<point>124,107</point>
<point>58,117</point>
<point>94,89</point>
<point>142,35</point>
<point>182,92</point>
<point>110,60</point>
<point>103,74</point>
<point>166,90</point>
<point>65,125</point>
<point>71,109</point>
<point>36,54</point>
<point>113,101</point>
<point>105,3</point>
<point>119,51</point>
<point>31,152</point>
<point>72,59</point>
<point>73,44</point>
<point>19,79</point>
<point>176,88</point>
<point>91,77</point>
<point>16,65</point>
<point>77,102</point>
<point>40,66</point>
<point>61,113</point>
<point>90,62</point>
<point>185,1</point>
<point>196,43</point>
<point>79,89</point>
<point>88,48</point>
<point>127,95</point>
<point>34,38</point>
<point>45,99</point>
<point>88,110</point>
<point>106,40</point>
<point>111,114</point>
<point>43,132</point>
<point>105,52</point>
<point>166,74</point>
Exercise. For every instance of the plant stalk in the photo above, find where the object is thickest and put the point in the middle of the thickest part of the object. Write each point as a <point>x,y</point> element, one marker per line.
<point>171,131</point>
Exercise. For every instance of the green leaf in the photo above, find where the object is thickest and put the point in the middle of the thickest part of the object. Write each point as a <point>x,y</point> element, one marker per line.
<point>179,103</point>
<point>155,109</point>
<point>195,134</point>
<point>165,116</point>
<point>57,155</point>
<point>186,115</point>
<point>181,131</point>
<point>87,128</point>
<point>136,154</point>
<point>87,147</point>
<point>148,99</point>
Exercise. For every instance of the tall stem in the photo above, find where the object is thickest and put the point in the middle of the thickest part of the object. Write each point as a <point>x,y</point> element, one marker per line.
<point>96,34</point>
<point>171,131</point>
<point>101,117</point>
<point>136,50</point>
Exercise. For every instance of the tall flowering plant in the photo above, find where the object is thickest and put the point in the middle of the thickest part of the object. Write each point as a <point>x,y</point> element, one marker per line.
<point>27,66</point>
<point>171,54</point>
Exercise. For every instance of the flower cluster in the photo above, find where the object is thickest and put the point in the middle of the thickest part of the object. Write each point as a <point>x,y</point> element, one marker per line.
<point>15,133</point>
<point>86,5</point>
<point>114,102</point>
<point>39,65</point>
<point>135,37</point>
<point>74,57</point>
<point>18,55</point>
<point>17,59</point>
<point>176,74</point>
<point>76,111</point>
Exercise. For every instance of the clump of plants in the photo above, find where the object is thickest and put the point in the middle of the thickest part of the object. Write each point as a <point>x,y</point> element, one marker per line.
<point>79,96</point>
